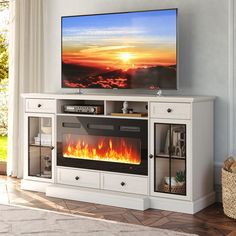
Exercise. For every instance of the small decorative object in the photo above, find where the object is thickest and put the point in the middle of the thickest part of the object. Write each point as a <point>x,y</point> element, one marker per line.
<point>174,187</point>
<point>43,139</point>
<point>167,143</point>
<point>178,146</point>
<point>130,110</point>
<point>180,177</point>
<point>171,180</point>
<point>183,150</point>
<point>178,150</point>
<point>46,130</point>
<point>229,187</point>
<point>48,165</point>
<point>46,126</point>
<point>178,142</point>
<point>174,184</point>
<point>125,107</point>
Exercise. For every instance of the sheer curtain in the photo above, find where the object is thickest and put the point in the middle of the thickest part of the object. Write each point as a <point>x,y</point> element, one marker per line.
<point>26,47</point>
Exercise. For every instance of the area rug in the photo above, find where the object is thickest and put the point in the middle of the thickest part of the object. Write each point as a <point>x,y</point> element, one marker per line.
<point>15,220</point>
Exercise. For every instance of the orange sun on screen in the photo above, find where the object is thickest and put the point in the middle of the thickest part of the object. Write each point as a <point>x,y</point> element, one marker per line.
<point>125,57</point>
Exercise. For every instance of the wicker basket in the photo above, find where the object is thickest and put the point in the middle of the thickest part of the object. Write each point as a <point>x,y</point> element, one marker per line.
<point>229,193</point>
<point>180,189</point>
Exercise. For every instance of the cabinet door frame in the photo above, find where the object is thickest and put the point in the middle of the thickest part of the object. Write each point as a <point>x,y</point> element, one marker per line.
<point>189,162</point>
<point>26,146</point>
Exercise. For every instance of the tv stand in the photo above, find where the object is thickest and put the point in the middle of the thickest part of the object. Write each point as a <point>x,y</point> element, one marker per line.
<point>179,151</point>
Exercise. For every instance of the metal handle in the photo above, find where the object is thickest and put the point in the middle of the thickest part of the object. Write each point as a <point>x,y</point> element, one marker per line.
<point>122,183</point>
<point>52,148</point>
<point>169,110</point>
<point>39,105</point>
<point>77,178</point>
<point>150,156</point>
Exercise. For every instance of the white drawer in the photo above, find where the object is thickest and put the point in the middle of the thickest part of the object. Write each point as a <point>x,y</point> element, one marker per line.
<point>40,105</point>
<point>78,178</point>
<point>124,183</point>
<point>171,110</point>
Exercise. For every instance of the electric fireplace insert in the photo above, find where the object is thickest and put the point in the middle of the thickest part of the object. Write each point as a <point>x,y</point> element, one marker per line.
<point>116,145</point>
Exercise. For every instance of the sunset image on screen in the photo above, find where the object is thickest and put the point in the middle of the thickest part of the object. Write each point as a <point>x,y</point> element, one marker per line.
<point>125,50</point>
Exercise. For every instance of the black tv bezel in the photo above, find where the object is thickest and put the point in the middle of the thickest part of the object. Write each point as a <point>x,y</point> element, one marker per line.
<point>128,89</point>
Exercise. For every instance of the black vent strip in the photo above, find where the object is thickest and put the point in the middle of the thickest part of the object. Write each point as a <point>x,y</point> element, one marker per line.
<point>100,126</point>
<point>71,125</point>
<point>130,129</point>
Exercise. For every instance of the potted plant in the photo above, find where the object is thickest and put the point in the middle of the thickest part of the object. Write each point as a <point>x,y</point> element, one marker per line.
<point>180,177</point>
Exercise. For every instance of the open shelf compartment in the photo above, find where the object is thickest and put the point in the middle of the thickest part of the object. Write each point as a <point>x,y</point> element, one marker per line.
<point>134,109</point>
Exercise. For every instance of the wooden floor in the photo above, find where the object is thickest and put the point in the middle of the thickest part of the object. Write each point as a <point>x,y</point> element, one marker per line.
<point>210,221</point>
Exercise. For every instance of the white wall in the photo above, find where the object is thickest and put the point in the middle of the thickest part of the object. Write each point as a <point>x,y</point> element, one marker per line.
<point>204,51</point>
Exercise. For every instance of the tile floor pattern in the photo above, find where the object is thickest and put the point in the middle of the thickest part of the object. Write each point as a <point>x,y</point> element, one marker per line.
<point>211,221</point>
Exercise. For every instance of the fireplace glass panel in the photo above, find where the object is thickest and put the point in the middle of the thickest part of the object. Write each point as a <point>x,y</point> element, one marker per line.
<point>104,144</point>
<point>102,148</point>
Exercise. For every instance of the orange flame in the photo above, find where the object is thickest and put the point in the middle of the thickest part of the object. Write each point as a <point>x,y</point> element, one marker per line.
<point>105,149</point>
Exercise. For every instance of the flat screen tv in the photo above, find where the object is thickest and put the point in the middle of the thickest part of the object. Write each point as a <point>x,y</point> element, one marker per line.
<point>134,50</point>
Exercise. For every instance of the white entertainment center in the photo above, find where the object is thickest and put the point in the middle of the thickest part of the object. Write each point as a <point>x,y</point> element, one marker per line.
<point>176,138</point>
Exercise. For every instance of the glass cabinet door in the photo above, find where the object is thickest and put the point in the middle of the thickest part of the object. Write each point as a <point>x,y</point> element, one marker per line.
<point>40,147</point>
<point>170,158</point>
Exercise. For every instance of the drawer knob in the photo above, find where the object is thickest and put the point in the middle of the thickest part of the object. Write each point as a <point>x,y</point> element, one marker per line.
<point>169,110</point>
<point>122,183</point>
<point>77,178</point>
<point>39,105</point>
<point>150,156</point>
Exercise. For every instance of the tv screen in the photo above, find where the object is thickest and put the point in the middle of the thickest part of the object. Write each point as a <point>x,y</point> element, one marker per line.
<point>135,50</point>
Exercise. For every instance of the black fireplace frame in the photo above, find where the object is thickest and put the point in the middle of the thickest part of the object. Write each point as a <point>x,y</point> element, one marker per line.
<point>98,126</point>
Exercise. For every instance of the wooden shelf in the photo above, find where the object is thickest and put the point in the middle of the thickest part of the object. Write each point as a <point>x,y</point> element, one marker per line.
<point>102,116</point>
<point>41,146</point>
<point>167,156</point>
<point>129,114</point>
<point>80,114</point>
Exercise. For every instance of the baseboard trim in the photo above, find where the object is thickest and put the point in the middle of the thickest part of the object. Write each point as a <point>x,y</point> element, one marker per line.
<point>182,206</point>
<point>125,200</point>
<point>204,202</point>
<point>131,201</point>
<point>36,186</point>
